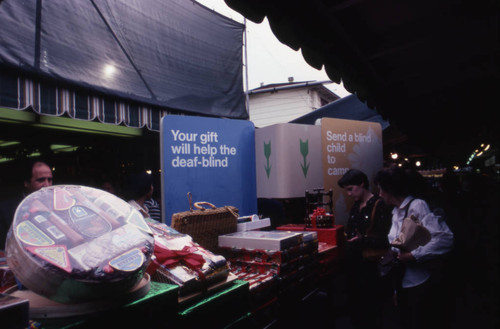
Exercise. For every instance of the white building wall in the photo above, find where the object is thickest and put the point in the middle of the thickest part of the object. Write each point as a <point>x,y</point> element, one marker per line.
<point>281,106</point>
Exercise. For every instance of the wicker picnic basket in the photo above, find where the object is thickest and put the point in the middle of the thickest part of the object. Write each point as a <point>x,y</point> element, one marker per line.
<point>205,225</point>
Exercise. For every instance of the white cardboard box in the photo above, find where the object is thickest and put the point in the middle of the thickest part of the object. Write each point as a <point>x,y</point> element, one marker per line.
<point>253,225</point>
<point>268,240</point>
<point>309,236</point>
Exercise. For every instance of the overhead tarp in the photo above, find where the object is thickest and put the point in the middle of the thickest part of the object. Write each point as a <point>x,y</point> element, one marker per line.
<point>349,107</point>
<point>173,55</point>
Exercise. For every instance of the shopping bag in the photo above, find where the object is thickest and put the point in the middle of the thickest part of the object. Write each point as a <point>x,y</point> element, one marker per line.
<point>413,234</point>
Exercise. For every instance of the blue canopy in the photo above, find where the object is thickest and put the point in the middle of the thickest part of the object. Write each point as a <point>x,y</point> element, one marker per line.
<point>349,107</point>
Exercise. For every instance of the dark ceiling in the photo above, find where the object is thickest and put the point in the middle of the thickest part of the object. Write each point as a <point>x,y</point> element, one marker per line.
<point>428,67</point>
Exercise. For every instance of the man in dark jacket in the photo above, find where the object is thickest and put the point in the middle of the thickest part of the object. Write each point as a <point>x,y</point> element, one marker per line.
<point>38,174</point>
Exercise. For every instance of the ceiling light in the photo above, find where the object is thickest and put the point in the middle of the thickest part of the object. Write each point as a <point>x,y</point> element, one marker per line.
<point>2,160</point>
<point>109,70</point>
<point>56,148</point>
<point>9,143</point>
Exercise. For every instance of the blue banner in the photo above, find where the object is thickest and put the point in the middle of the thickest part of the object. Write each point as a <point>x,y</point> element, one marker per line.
<point>212,158</point>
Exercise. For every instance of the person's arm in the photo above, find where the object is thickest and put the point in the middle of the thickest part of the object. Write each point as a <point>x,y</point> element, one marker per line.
<point>377,237</point>
<point>350,229</point>
<point>441,238</point>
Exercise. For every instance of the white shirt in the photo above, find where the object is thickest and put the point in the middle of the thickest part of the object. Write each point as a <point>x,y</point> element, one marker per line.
<point>441,239</point>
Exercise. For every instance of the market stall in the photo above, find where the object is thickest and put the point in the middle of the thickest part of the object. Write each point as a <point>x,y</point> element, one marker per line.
<point>82,256</point>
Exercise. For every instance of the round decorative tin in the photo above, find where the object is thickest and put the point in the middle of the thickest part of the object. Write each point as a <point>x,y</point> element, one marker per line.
<point>75,244</point>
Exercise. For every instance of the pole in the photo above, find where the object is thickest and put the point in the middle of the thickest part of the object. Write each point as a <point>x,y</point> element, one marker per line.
<point>245,40</point>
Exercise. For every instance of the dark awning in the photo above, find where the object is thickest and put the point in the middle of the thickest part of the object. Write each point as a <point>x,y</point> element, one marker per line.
<point>430,67</point>
<point>52,99</point>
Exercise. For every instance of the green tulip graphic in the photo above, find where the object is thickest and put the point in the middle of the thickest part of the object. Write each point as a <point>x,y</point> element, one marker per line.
<point>304,150</point>
<point>267,153</point>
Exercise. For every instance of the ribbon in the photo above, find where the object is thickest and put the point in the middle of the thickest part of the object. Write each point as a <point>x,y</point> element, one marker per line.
<point>172,258</point>
<point>186,256</point>
<point>317,212</point>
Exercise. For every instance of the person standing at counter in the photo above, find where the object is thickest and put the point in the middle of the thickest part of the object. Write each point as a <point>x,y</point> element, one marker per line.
<point>366,241</point>
<point>141,189</point>
<point>36,175</point>
<point>419,295</point>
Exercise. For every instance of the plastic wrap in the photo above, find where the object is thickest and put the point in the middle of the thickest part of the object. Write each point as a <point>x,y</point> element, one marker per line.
<point>73,243</point>
<point>179,260</point>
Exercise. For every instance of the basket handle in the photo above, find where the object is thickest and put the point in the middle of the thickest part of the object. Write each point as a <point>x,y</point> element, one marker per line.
<point>232,212</point>
<point>198,205</point>
<point>190,200</point>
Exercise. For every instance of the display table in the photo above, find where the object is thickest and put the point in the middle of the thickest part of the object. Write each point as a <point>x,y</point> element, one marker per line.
<point>217,309</point>
<point>235,303</point>
<point>150,311</point>
<point>161,307</point>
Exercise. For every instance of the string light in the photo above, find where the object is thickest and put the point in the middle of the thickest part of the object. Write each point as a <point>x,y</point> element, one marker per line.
<point>478,152</point>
